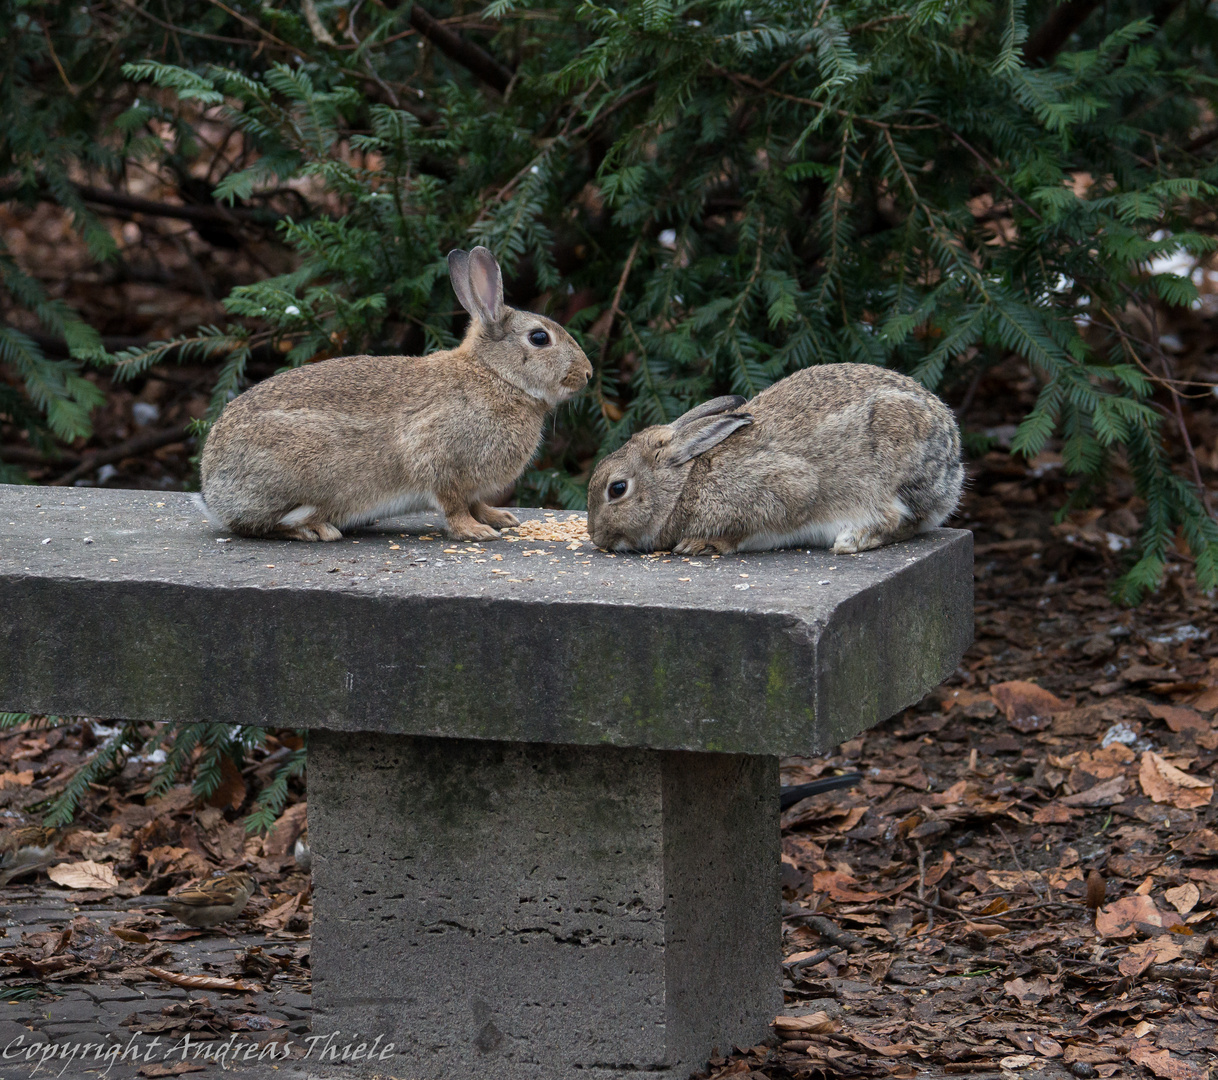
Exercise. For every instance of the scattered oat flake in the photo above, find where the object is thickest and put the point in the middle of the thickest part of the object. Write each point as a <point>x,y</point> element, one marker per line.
<point>573,531</point>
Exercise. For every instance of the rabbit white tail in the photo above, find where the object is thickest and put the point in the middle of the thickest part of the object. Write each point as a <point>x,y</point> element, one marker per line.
<point>201,504</point>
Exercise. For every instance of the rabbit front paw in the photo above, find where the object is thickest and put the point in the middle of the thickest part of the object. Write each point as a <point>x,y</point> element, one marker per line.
<point>488,515</point>
<point>469,529</point>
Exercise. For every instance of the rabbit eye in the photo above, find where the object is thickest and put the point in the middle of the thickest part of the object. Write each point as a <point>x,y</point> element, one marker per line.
<point>539,338</point>
<point>617,489</point>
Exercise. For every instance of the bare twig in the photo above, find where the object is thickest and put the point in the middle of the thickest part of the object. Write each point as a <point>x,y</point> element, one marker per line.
<point>259,30</point>
<point>54,56</point>
<point>470,56</point>
<point>135,8</point>
<point>873,23</point>
<point>1178,409</point>
<point>811,961</point>
<point>1046,41</point>
<point>615,309</point>
<point>20,455</point>
<point>829,930</point>
<point>1201,141</point>
<point>137,444</point>
<point>133,204</point>
<point>1018,866</point>
<point>989,169</point>
<point>1169,381</point>
<point>608,110</point>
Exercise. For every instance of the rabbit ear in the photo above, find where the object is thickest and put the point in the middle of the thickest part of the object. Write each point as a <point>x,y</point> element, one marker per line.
<point>708,408</point>
<point>694,438</point>
<point>486,286</point>
<point>458,274</point>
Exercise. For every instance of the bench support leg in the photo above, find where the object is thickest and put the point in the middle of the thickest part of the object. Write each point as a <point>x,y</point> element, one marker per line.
<point>522,910</point>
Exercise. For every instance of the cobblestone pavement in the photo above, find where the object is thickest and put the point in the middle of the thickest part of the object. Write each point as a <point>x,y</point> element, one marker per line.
<point>79,1029</point>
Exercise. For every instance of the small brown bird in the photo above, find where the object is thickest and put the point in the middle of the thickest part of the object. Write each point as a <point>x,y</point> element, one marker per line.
<point>25,851</point>
<point>209,903</point>
<point>29,844</point>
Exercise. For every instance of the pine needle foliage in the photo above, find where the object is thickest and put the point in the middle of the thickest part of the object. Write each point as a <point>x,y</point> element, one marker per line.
<point>712,195</point>
<point>193,751</point>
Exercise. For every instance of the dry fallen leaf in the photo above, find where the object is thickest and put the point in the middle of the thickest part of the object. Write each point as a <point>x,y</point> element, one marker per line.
<point>277,918</point>
<point>83,875</point>
<point>1184,897</point>
<point>1092,1055</point>
<point>1029,993</point>
<point>972,703</point>
<point>231,791</point>
<point>201,982</point>
<point>282,835</point>
<point>1178,718</point>
<point>841,886</point>
<point>1138,958</point>
<point>1165,783</point>
<point>817,1023</point>
<point>1123,917</point>
<point>1200,843</point>
<point>1046,1046</point>
<point>177,1068</point>
<point>1054,813</point>
<point>1017,1061</point>
<point>1013,879</point>
<point>1161,1063</point>
<point>878,1045</point>
<point>1028,707</point>
<point>1109,793</point>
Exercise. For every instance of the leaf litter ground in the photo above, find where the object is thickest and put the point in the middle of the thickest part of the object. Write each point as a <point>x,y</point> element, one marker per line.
<point>937,919</point>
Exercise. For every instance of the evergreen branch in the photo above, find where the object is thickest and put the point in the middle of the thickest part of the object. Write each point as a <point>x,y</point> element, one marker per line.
<point>274,796</point>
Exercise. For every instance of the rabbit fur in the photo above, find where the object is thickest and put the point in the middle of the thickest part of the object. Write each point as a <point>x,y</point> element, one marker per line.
<point>318,449</point>
<point>850,456</point>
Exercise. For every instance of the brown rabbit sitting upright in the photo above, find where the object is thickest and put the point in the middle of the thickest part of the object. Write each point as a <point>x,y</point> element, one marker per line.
<point>844,455</point>
<point>318,449</point>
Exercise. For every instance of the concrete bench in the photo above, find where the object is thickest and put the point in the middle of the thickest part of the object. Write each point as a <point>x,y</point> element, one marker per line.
<point>543,782</point>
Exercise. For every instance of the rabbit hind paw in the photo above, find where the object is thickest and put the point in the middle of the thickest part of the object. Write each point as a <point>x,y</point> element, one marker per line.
<point>700,545</point>
<point>322,530</point>
<point>851,541</point>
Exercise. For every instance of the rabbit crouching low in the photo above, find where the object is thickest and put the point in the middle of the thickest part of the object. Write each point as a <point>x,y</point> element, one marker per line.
<point>850,456</point>
<point>321,448</point>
